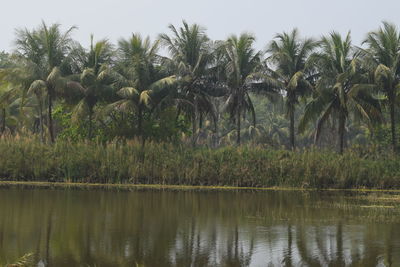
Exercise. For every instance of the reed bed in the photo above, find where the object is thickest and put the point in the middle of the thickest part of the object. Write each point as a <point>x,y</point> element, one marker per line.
<point>26,159</point>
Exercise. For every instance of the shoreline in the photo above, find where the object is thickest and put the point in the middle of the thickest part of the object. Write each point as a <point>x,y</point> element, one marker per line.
<point>167,166</point>
<point>182,187</point>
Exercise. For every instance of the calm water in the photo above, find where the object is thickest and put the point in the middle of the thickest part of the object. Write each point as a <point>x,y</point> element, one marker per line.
<point>71,227</point>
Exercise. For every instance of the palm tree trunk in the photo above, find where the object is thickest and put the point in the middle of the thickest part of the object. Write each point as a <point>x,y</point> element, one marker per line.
<point>393,123</point>
<point>291,127</point>
<point>200,121</point>
<point>41,122</point>
<point>141,134</point>
<point>3,121</point>
<point>342,121</point>
<point>194,122</point>
<point>178,113</point>
<point>238,126</point>
<point>140,122</point>
<point>90,124</point>
<point>216,133</point>
<point>50,115</point>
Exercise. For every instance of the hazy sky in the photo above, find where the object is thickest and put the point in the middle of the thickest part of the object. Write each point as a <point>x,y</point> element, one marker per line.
<point>119,18</point>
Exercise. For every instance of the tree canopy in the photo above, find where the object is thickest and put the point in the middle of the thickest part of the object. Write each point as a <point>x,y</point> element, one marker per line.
<point>184,87</point>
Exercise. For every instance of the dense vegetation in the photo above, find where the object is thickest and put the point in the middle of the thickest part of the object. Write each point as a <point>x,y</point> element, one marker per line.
<point>169,164</point>
<point>66,110</point>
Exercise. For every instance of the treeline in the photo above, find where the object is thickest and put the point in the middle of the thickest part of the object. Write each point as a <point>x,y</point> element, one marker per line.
<point>325,91</point>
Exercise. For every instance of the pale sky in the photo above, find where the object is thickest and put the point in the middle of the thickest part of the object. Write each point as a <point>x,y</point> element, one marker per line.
<point>264,18</point>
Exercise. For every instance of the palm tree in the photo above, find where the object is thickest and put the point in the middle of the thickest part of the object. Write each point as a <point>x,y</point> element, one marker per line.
<point>14,81</point>
<point>94,82</point>
<point>191,54</point>
<point>38,88</point>
<point>289,56</point>
<point>7,95</point>
<point>242,61</point>
<point>383,55</point>
<point>342,88</point>
<point>12,78</point>
<point>44,49</point>
<point>139,78</point>
<point>3,99</point>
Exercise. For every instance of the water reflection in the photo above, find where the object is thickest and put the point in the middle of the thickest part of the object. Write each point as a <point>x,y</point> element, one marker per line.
<point>164,228</point>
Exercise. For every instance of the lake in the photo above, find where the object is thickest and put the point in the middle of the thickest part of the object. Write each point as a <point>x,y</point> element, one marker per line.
<point>148,227</point>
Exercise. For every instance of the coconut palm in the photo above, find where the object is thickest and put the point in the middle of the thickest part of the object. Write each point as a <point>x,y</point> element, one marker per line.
<point>383,56</point>
<point>242,61</point>
<point>141,82</point>
<point>12,79</point>
<point>342,89</point>
<point>94,82</point>
<point>3,91</point>
<point>290,72</point>
<point>38,88</point>
<point>191,55</point>
<point>7,95</point>
<point>44,49</point>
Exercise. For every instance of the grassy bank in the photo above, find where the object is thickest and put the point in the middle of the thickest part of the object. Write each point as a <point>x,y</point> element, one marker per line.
<point>24,159</point>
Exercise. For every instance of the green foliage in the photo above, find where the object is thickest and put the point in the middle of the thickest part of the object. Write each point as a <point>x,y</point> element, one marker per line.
<point>382,59</point>
<point>225,90</point>
<point>5,60</point>
<point>165,127</point>
<point>70,131</point>
<point>290,71</point>
<point>242,61</point>
<point>382,136</point>
<point>342,91</point>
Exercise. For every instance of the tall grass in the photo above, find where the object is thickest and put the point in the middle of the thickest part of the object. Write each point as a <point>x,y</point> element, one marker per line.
<point>25,159</point>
